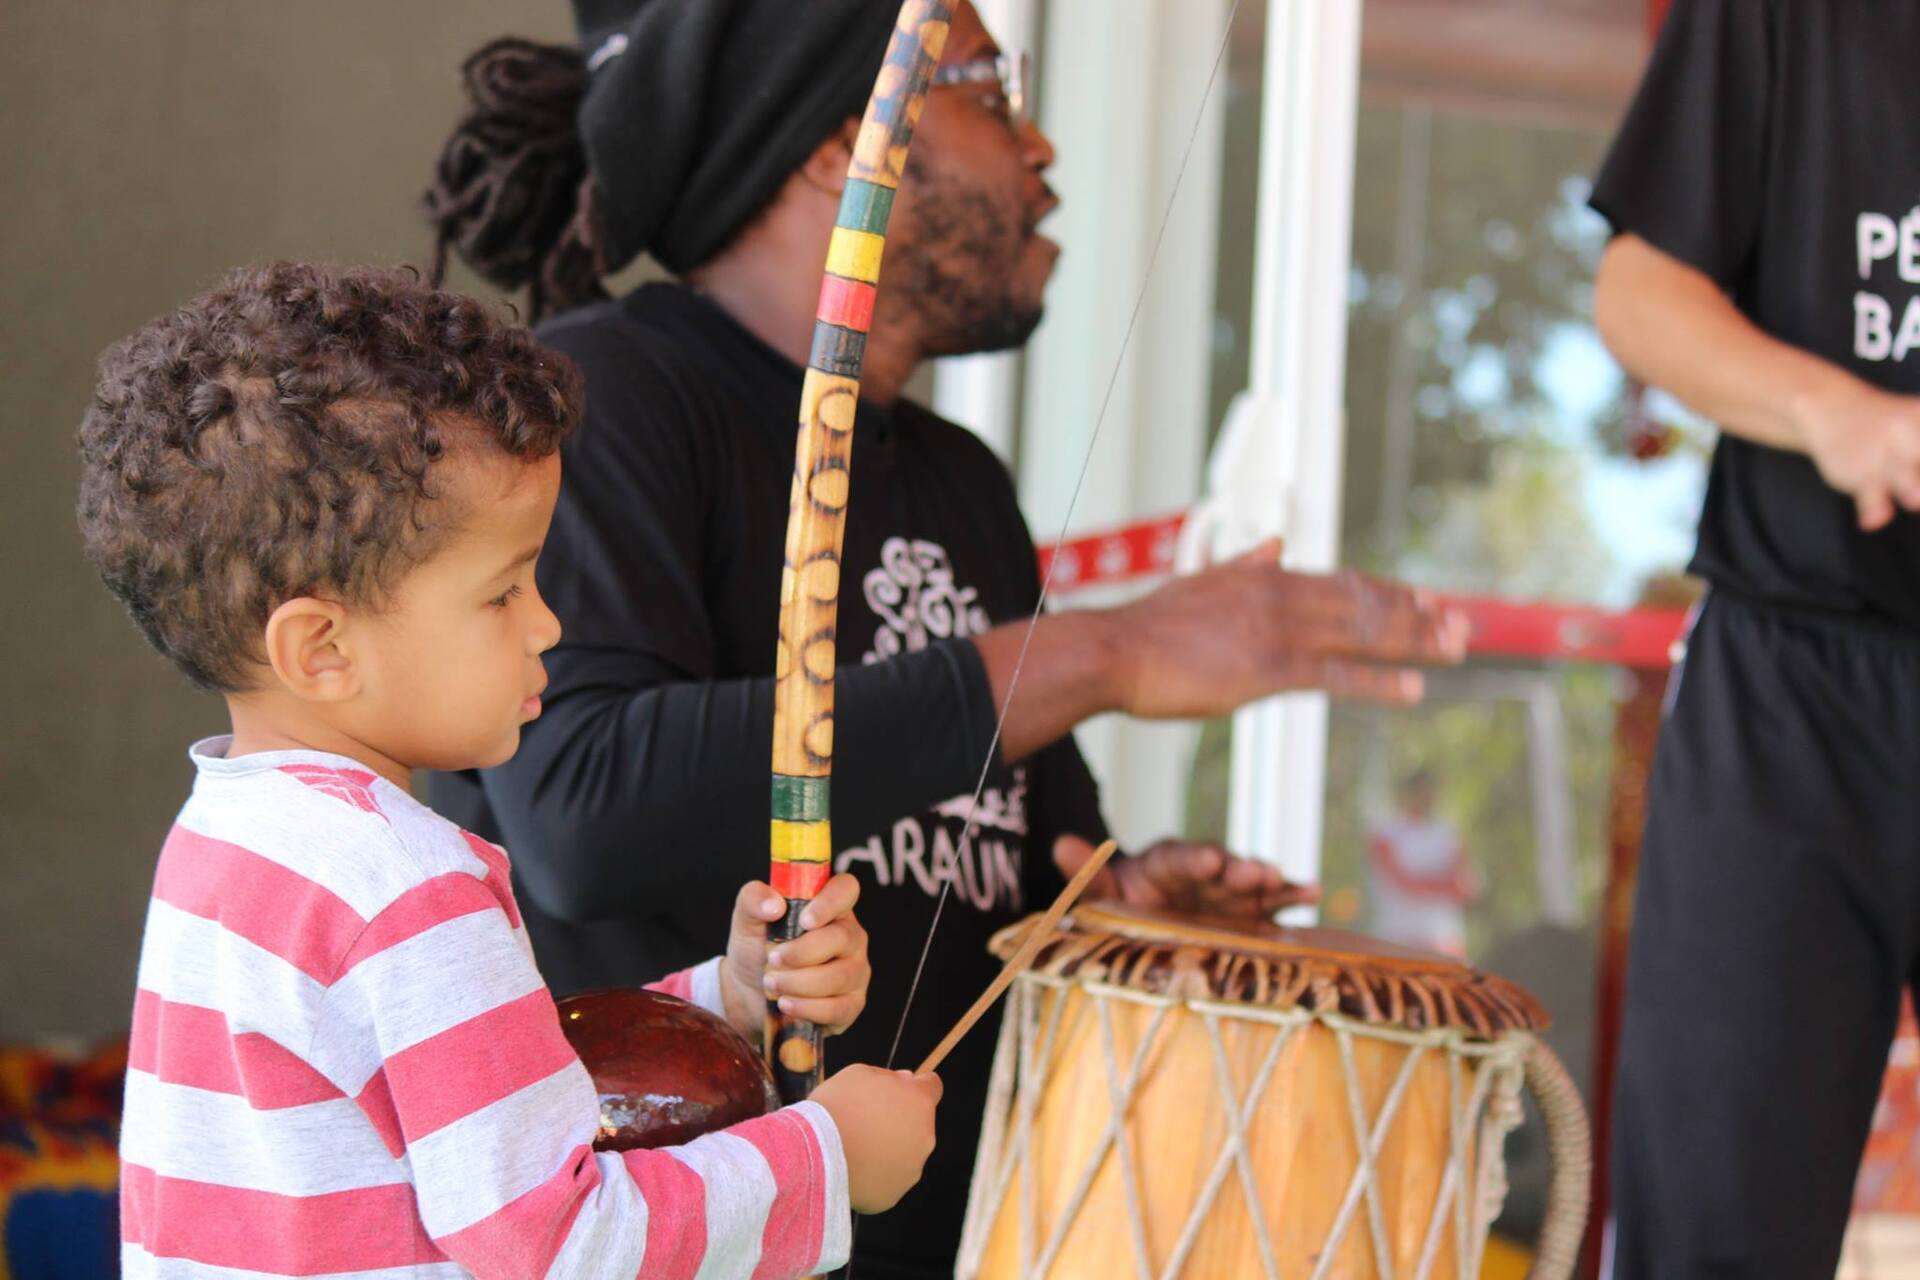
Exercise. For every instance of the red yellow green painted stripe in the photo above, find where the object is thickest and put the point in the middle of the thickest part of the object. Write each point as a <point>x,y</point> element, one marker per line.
<point>846,304</point>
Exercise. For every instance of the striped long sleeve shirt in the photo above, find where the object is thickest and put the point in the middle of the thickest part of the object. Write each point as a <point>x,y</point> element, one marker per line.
<point>345,1063</point>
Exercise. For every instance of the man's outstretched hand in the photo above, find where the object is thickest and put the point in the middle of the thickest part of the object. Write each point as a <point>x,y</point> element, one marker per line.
<point>1211,642</point>
<point>1184,875</point>
<point>1206,644</point>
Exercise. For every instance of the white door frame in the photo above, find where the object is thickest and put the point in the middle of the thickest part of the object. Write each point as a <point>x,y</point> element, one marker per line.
<point>1121,87</point>
<point>1295,397</point>
<point>1121,82</point>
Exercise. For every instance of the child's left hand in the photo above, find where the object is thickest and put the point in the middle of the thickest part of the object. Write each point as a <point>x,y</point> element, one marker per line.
<point>820,976</point>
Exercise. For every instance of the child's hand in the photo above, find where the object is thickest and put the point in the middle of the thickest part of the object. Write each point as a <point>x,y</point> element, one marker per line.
<point>820,976</point>
<point>885,1120</point>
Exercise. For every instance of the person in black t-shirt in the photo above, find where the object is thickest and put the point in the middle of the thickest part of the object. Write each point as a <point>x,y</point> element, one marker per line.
<point>714,134</point>
<point>1766,269</point>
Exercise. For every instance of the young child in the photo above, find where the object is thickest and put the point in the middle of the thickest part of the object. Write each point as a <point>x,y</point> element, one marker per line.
<point>321,492</point>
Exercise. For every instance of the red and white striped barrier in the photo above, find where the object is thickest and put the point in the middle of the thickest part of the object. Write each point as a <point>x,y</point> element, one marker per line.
<point>1542,632</point>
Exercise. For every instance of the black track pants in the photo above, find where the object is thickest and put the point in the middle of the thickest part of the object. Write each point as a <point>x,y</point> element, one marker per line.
<point>1776,920</point>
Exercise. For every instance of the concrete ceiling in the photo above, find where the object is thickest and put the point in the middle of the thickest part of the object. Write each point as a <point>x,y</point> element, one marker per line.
<point>1567,62</point>
<point>1573,62</point>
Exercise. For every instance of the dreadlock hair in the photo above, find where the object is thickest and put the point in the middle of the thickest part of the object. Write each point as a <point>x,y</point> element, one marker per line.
<point>511,192</point>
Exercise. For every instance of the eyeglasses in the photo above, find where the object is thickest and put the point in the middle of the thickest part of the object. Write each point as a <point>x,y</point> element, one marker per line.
<point>1010,75</point>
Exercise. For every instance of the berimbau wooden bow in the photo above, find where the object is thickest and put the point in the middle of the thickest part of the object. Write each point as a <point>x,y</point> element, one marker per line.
<point>816,523</point>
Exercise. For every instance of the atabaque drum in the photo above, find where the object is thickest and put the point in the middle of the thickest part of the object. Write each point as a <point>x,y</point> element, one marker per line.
<point>1178,1096</point>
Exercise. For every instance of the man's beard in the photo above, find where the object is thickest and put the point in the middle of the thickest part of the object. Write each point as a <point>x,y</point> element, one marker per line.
<point>957,270</point>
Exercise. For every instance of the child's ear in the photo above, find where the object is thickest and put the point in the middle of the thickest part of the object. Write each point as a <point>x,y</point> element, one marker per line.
<point>310,651</point>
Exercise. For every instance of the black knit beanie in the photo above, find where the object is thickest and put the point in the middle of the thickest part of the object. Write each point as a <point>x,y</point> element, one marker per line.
<point>697,111</point>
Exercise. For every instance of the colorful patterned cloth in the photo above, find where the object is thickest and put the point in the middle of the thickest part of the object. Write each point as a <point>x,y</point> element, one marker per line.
<point>1889,1179</point>
<point>59,1126</point>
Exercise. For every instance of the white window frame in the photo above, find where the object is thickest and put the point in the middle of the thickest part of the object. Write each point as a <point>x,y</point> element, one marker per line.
<point>1121,81</point>
<point>1295,398</point>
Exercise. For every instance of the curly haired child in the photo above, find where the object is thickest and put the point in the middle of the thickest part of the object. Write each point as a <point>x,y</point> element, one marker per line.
<point>321,492</point>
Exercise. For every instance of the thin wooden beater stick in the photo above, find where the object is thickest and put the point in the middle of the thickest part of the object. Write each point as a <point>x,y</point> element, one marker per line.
<point>1042,930</point>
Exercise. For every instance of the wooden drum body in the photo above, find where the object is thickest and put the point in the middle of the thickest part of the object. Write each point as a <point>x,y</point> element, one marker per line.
<point>1175,1096</point>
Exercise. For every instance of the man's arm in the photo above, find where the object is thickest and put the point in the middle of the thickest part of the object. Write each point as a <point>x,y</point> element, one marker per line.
<point>634,763</point>
<point>1671,326</point>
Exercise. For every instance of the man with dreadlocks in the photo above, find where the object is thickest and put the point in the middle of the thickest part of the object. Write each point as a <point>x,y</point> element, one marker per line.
<point>637,801</point>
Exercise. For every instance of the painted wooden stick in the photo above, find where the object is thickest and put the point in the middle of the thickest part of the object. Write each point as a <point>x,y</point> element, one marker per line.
<point>1042,930</point>
<point>802,839</point>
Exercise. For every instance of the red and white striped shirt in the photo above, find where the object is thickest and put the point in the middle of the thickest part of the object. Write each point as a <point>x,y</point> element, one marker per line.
<point>345,1063</point>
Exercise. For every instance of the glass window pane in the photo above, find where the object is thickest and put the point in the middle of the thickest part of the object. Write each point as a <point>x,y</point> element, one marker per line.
<point>1494,448</point>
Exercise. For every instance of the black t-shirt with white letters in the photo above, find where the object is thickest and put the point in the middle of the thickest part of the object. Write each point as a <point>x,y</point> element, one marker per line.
<point>1774,145</point>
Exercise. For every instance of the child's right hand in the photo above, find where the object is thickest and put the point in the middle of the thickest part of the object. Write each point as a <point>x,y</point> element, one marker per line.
<point>885,1120</point>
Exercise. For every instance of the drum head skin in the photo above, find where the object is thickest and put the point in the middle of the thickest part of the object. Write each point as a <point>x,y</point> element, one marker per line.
<point>1258,963</point>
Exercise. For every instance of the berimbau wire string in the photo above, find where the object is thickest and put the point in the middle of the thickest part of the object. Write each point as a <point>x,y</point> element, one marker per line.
<point>1066,523</point>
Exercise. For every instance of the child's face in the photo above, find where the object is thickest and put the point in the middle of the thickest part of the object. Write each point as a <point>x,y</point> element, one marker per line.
<point>450,665</point>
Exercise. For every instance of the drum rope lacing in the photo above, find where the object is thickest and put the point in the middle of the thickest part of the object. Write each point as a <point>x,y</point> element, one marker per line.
<point>1491,1110</point>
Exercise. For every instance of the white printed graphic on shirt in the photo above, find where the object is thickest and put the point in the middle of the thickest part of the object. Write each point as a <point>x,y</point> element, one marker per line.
<point>915,596</point>
<point>1878,238</point>
<point>917,600</point>
<point>926,849</point>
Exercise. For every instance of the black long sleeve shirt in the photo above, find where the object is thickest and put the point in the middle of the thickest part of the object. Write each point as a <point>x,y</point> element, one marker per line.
<point>638,803</point>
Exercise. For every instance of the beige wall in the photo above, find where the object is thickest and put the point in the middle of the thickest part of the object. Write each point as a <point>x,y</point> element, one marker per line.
<point>144,148</point>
